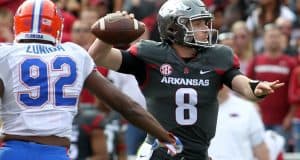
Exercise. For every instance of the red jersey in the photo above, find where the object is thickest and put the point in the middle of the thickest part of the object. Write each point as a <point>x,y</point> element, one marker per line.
<point>294,90</point>
<point>275,106</point>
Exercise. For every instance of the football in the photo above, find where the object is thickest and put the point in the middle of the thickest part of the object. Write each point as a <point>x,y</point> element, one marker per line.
<point>116,28</point>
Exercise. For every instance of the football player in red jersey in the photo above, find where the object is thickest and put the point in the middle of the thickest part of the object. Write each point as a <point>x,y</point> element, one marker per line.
<point>181,76</point>
<point>40,83</point>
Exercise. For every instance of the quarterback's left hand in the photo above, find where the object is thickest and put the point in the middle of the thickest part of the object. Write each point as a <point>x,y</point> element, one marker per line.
<point>173,149</point>
<point>265,87</point>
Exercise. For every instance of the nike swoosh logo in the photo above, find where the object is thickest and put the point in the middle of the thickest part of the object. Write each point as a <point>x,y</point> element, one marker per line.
<point>142,156</point>
<point>204,72</point>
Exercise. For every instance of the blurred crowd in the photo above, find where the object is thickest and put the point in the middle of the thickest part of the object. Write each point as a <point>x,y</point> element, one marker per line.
<point>264,34</point>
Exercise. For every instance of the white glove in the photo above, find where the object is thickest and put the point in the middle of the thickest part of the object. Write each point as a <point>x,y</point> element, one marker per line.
<point>173,149</point>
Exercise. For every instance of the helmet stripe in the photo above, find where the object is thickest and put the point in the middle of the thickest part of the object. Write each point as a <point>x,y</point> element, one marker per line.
<point>37,7</point>
<point>32,16</point>
<point>40,15</point>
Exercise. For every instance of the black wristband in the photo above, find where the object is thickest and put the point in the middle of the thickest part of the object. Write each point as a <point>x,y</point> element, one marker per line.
<point>253,84</point>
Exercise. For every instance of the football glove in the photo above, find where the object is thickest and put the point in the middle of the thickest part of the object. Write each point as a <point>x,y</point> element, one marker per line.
<point>173,149</point>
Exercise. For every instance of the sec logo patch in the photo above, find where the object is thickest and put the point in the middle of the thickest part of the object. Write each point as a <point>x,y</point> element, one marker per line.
<point>166,69</point>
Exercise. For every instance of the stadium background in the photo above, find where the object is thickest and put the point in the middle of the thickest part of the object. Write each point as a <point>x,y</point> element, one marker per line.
<point>240,21</point>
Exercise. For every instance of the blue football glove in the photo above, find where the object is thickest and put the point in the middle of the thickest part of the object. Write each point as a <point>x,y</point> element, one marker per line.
<point>173,149</point>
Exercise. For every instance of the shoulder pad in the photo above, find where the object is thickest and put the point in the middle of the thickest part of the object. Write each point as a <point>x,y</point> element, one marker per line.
<point>151,49</point>
<point>223,57</point>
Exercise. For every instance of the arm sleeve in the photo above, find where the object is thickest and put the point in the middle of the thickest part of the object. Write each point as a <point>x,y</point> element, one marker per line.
<point>89,66</point>
<point>132,65</point>
<point>232,71</point>
<point>229,75</point>
<point>88,63</point>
